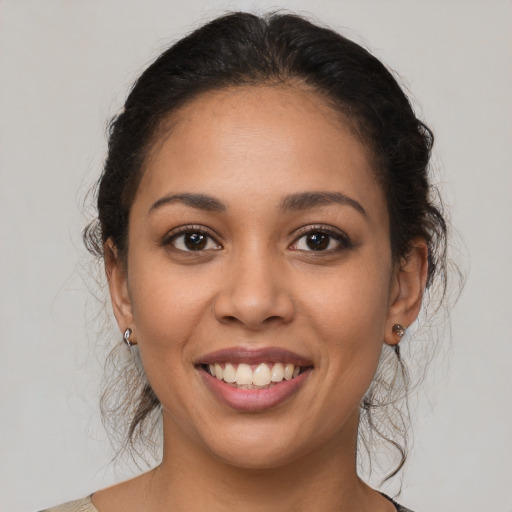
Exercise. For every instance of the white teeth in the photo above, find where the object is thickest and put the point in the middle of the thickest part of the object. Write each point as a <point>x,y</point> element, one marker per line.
<point>261,376</point>
<point>243,374</point>
<point>277,372</point>
<point>288,371</point>
<point>229,373</point>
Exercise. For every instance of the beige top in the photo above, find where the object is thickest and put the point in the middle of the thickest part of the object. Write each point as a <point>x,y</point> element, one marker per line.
<point>83,505</point>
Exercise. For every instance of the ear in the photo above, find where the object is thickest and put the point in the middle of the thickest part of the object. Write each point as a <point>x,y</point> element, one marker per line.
<point>407,288</point>
<point>118,284</point>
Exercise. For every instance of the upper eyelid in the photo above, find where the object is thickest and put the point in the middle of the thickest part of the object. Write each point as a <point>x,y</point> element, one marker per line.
<point>174,233</point>
<point>325,228</point>
<point>191,228</point>
<point>169,239</point>
<point>342,237</point>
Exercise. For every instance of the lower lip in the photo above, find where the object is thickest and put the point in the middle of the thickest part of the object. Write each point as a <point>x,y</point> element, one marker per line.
<point>253,400</point>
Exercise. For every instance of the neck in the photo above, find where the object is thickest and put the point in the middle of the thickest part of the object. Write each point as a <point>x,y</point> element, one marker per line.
<point>191,478</point>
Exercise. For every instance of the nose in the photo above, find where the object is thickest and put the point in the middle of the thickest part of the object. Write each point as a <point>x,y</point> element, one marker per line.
<point>255,294</point>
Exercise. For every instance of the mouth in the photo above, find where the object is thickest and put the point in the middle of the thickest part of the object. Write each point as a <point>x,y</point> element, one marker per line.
<point>254,380</point>
<point>250,376</point>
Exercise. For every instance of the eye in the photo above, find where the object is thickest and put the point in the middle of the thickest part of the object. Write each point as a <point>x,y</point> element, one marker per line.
<point>192,239</point>
<point>321,240</point>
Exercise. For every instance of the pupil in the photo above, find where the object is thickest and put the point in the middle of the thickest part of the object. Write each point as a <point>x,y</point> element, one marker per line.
<point>195,241</point>
<point>317,241</point>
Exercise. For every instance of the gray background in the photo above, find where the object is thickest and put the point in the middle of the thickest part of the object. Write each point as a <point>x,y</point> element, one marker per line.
<point>65,67</point>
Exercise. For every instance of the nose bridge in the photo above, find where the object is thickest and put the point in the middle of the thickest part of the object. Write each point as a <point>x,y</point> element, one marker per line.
<point>254,292</point>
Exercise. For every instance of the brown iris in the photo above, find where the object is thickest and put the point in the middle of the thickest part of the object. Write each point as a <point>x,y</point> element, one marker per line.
<point>317,241</point>
<point>195,241</point>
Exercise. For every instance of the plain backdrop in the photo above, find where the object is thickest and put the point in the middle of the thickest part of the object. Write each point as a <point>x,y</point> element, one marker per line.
<point>65,68</point>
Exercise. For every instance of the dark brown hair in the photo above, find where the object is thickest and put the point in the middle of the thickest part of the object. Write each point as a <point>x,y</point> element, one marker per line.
<point>241,49</point>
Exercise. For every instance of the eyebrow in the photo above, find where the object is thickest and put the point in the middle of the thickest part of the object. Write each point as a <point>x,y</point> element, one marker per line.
<point>308,200</point>
<point>199,201</point>
<point>293,202</point>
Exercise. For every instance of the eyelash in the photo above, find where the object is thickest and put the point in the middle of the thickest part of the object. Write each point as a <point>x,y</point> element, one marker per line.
<point>189,230</point>
<point>341,238</point>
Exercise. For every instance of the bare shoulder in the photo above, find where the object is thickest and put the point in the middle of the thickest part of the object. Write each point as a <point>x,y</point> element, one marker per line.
<point>127,496</point>
<point>124,496</point>
<point>83,505</point>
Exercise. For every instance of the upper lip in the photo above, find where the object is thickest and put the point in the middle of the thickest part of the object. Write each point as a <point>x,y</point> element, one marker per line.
<point>254,356</point>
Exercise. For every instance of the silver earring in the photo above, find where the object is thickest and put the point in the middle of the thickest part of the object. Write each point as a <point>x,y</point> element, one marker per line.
<point>126,337</point>
<point>399,330</point>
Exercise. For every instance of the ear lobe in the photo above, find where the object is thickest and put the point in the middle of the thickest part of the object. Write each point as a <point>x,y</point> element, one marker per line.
<point>409,281</point>
<point>118,284</point>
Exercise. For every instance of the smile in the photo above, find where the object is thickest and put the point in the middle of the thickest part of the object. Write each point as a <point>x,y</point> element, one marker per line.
<point>254,380</point>
<point>261,376</point>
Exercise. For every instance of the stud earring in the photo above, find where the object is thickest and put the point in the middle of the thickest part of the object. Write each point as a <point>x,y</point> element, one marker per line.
<point>126,337</point>
<point>399,330</point>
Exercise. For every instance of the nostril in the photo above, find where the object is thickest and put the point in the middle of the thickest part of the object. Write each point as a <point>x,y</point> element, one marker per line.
<point>252,324</point>
<point>230,319</point>
<point>272,319</point>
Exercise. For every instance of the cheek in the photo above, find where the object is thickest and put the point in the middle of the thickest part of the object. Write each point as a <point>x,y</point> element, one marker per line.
<point>353,299</point>
<point>168,310</point>
<point>167,306</point>
<point>349,314</point>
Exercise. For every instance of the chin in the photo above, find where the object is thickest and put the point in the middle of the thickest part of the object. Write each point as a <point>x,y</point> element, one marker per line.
<point>257,459</point>
<point>260,449</point>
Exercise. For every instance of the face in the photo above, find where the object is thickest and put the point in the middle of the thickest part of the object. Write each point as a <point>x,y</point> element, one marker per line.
<point>259,281</point>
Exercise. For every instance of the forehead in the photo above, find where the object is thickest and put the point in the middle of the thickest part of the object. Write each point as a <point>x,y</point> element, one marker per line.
<point>259,141</point>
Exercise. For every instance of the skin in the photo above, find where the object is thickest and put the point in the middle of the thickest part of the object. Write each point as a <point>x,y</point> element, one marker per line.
<point>258,284</point>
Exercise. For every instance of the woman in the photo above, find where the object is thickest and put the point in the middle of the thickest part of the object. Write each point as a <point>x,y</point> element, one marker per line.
<point>266,225</point>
